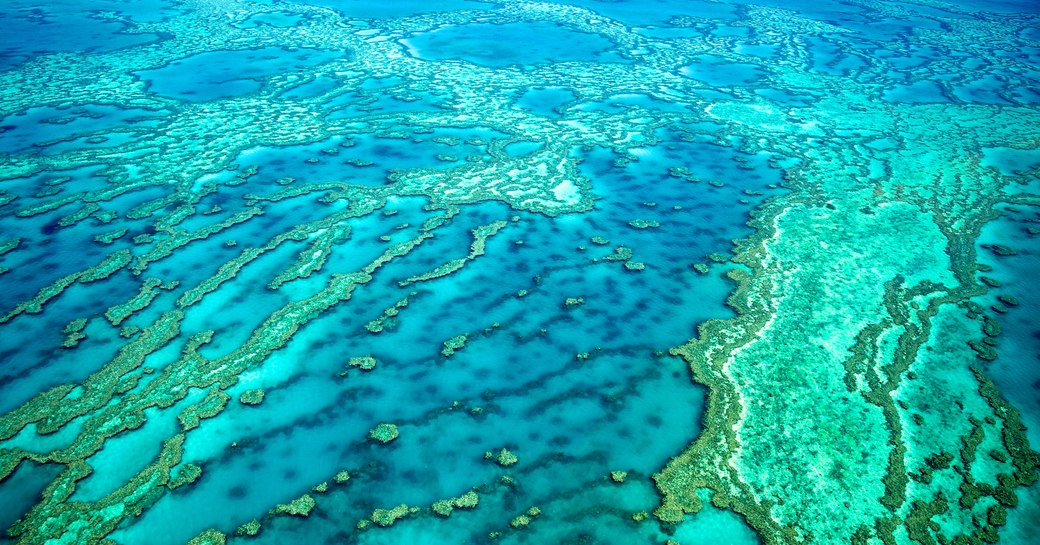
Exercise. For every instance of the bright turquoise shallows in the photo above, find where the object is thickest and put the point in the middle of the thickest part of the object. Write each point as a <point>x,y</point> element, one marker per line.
<point>510,272</point>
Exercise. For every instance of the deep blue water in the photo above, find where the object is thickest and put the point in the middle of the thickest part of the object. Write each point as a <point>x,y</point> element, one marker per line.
<point>566,357</point>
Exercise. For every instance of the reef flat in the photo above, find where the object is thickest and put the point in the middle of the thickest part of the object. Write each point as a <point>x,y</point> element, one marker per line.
<point>344,271</point>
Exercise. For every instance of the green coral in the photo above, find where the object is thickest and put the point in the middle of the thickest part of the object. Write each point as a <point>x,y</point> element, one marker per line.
<point>387,517</point>
<point>189,473</point>
<point>384,433</point>
<point>504,457</point>
<point>252,397</point>
<point>300,507</point>
<point>521,521</point>
<point>443,507</point>
<point>453,345</point>
<point>644,224</point>
<point>469,500</point>
<point>365,363</point>
<point>209,537</point>
<point>74,333</point>
<point>250,528</point>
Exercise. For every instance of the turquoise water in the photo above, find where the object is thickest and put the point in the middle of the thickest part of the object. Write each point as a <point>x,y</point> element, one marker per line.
<point>35,29</point>
<point>735,272</point>
<point>225,74</point>
<point>508,44</point>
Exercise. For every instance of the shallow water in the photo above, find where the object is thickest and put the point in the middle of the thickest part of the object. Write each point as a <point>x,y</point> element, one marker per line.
<point>631,272</point>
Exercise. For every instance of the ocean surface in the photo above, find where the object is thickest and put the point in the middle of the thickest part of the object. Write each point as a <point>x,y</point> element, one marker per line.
<point>495,272</point>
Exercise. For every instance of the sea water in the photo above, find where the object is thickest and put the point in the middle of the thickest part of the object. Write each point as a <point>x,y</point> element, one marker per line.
<point>522,212</point>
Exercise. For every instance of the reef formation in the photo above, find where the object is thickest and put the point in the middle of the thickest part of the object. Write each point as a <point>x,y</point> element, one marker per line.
<point>451,272</point>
